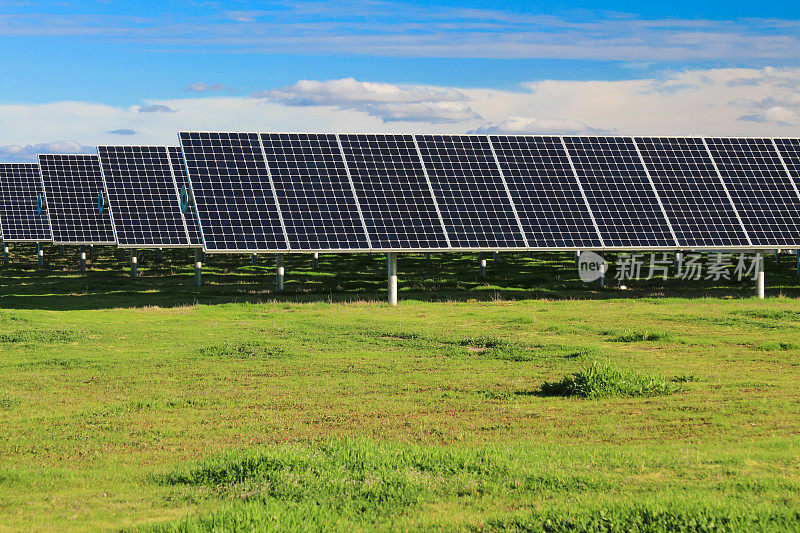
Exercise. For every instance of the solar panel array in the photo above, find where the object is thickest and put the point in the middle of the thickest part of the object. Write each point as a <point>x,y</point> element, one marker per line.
<point>328,192</point>
<point>181,181</point>
<point>764,195</point>
<point>71,186</point>
<point>693,196</point>
<point>20,217</point>
<point>143,197</point>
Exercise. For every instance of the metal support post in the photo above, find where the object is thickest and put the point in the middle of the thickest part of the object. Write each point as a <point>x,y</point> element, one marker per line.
<point>760,275</point>
<point>482,258</point>
<point>83,260</point>
<point>601,281</point>
<point>315,261</point>
<point>91,252</point>
<point>391,271</point>
<point>134,264</point>
<point>160,255</point>
<point>198,266</point>
<point>5,253</point>
<point>40,254</point>
<point>778,258</point>
<point>279,273</point>
<point>253,259</point>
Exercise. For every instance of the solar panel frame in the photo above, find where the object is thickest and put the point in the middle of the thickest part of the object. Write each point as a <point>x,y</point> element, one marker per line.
<point>392,188</point>
<point>94,228</point>
<point>182,179</point>
<point>548,198</point>
<point>143,197</point>
<point>446,168</point>
<point>20,220</point>
<point>251,168</point>
<point>761,188</point>
<point>310,176</point>
<point>609,169</point>
<point>673,163</point>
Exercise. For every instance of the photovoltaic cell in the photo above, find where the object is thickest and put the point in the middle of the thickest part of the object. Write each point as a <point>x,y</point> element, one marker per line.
<point>314,192</point>
<point>71,185</point>
<point>232,193</point>
<point>469,191</point>
<point>619,192</point>
<point>142,196</point>
<point>394,195</point>
<point>691,192</point>
<point>762,191</point>
<point>545,191</point>
<point>789,149</point>
<point>20,187</point>
<point>181,180</point>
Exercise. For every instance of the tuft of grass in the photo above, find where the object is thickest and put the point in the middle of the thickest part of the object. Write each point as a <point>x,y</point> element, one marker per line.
<point>8,402</point>
<point>602,380</point>
<point>34,336</point>
<point>641,336</point>
<point>240,350</point>
<point>775,346</point>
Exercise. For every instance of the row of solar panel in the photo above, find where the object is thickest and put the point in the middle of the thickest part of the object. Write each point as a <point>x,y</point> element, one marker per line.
<point>309,192</point>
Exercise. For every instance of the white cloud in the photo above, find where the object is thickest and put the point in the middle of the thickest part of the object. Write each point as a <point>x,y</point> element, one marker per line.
<point>201,87</point>
<point>16,153</point>
<point>694,102</point>
<point>533,126</point>
<point>155,108</point>
<point>123,132</point>
<point>410,103</point>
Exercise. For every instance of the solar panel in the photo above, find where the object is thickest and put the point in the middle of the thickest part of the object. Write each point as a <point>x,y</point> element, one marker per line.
<point>693,196</point>
<point>182,180</point>
<point>142,197</point>
<point>545,191</point>
<point>232,192</point>
<point>470,192</point>
<point>20,219</point>
<point>71,186</point>
<point>762,191</point>
<point>395,198</point>
<point>620,195</point>
<point>314,193</point>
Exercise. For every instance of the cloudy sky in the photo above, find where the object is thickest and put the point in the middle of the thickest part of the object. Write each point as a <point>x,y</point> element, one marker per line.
<point>81,73</point>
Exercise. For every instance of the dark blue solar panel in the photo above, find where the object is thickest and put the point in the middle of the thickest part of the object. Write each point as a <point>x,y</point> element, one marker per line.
<point>143,196</point>
<point>789,149</point>
<point>182,180</point>
<point>314,192</point>
<point>469,191</point>
<point>20,220</point>
<point>691,191</point>
<point>232,192</point>
<point>72,184</point>
<point>545,191</point>
<point>395,198</point>
<point>762,191</point>
<point>620,195</point>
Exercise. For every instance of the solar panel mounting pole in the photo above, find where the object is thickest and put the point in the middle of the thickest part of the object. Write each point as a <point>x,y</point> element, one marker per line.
<point>5,253</point>
<point>482,258</point>
<point>315,261</point>
<point>40,254</point>
<point>601,281</point>
<point>760,275</point>
<point>279,273</point>
<point>253,259</point>
<point>391,271</point>
<point>160,254</point>
<point>83,260</point>
<point>197,270</point>
<point>778,258</point>
<point>134,263</point>
<point>797,253</point>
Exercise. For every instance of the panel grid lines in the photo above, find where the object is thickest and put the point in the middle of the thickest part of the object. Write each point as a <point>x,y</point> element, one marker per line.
<point>396,202</point>
<point>233,197</point>
<point>314,193</point>
<point>71,186</point>
<point>543,187</point>
<point>143,197</point>
<point>508,193</point>
<point>20,187</point>
<point>762,190</point>
<point>470,192</point>
<point>691,192</point>
<point>620,194</point>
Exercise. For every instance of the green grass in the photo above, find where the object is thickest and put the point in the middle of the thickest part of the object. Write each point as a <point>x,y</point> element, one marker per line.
<point>150,403</point>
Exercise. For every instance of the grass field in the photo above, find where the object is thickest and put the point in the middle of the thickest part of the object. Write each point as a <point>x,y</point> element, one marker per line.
<point>527,402</point>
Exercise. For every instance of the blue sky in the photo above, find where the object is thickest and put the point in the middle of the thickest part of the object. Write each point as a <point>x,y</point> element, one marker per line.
<point>87,72</point>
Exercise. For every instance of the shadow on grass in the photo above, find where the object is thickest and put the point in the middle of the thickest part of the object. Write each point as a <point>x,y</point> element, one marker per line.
<point>340,278</point>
